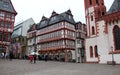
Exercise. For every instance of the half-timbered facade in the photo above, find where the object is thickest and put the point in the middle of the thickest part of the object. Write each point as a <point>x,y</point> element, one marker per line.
<point>80,30</point>
<point>7,19</point>
<point>31,39</point>
<point>55,37</point>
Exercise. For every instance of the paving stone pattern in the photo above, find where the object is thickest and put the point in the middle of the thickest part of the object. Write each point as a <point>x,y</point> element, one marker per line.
<point>24,67</point>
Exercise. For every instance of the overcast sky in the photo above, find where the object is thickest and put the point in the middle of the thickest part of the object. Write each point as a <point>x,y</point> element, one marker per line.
<point>37,8</point>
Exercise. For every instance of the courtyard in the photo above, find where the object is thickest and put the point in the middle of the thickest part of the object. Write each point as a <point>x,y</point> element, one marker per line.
<point>24,67</point>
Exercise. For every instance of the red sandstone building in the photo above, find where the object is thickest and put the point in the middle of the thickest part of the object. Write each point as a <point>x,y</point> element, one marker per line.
<point>102,44</point>
<point>55,37</point>
<point>7,19</point>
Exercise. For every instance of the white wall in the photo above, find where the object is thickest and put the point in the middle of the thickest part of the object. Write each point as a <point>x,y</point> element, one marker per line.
<point>103,44</point>
<point>26,25</point>
<point>111,43</point>
<point>91,42</point>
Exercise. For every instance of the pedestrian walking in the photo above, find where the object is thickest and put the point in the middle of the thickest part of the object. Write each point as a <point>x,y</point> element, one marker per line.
<point>35,58</point>
<point>11,55</point>
<point>31,58</point>
<point>46,58</point>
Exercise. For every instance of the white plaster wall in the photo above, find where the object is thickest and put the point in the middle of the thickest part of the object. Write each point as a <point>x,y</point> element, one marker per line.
<point>25,26</point>
<point>110,33</point>
<point>89,13</point>
<point>111,42</point>
<point>91,42</point>
<point>117,58</point>
<point>104,46</point>
<point>108,57</point>
<point>91,9</point>
<point>103,41</point>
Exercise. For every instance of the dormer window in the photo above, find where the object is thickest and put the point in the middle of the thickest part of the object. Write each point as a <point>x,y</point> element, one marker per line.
<point>53,18</point>
<point>43,22</point>
<point>5,4</point>
<point>70,17</point>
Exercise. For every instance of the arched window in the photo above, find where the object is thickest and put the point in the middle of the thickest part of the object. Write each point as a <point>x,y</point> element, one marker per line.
<point>93,30</point>
<point>96,51</point>
<point>90,2</point>
<point>91,18</point>
<point>97,2</point>
<point>116,32</point>
<point>103,13</point>
<point>91,51</point>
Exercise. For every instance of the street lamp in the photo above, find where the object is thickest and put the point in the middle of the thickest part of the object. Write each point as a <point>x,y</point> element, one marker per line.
<point>113,62</point>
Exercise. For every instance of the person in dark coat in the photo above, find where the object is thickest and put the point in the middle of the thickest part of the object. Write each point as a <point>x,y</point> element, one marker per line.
<point>46,58</point>
<point>35,57</point>
<point>11,55</point>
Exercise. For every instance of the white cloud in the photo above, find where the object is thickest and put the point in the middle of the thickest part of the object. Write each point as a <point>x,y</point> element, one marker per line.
<point>37,8</point>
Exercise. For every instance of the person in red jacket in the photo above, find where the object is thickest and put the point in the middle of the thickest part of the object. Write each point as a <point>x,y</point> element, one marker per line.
<point>31,58</point>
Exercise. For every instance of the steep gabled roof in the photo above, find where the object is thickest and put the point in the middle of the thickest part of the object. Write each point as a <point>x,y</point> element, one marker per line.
<point>55,18</point>
<point>67,16</point>
<point>32,28</point>
<point>6,5</point>
<point>115,7</point>
<point>43,23</point>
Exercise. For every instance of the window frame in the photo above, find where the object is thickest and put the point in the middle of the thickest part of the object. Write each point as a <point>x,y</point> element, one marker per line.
<point>91,52</point>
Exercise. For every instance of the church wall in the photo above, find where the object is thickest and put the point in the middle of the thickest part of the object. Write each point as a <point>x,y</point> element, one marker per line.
<point>107,40</point>
<point>111,41</point>
<point>100,33</point>
<point>90,42</point>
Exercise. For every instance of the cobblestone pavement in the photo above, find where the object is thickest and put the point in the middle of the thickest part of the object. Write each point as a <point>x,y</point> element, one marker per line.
<point>23,67</point>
